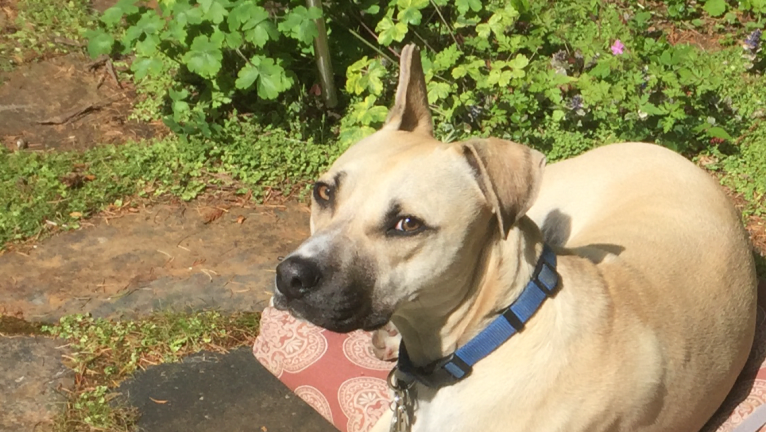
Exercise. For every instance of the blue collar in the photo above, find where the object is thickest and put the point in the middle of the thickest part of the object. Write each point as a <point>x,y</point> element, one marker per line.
<point>458,365</point>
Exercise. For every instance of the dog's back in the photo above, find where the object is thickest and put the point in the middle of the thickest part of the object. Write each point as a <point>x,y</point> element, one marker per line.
<point>642,209</point>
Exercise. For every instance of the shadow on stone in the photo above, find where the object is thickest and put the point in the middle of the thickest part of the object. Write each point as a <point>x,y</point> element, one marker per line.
<point>215,392</point>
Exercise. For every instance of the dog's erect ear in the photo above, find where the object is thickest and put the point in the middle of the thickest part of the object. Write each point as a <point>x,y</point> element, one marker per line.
<point>410,111</point>
<point>509,175</point>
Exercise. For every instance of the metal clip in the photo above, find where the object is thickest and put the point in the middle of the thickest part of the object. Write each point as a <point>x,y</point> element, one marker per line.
<point>403,404</point>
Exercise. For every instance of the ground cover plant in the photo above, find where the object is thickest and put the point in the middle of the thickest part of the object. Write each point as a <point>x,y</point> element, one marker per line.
<point>106,352</point>
<point>562,77</point>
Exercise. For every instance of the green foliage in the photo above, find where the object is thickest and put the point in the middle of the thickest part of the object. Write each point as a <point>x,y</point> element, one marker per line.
<point>44,26</point>
<point>539,72</point>
<point>219,53</point>
<point>744,170</point>
<point>44,192</point>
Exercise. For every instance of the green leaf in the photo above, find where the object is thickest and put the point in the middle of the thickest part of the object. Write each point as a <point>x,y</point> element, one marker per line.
<point>388,31</point>
<point>176,31</point>
<point>410,16</point>
<point>652,109</point>
<point>409,10</point>
<point>299,24</point>
<point>520,5</point>
<point>417,4</point>
<point>234,40</point>
<point>213,10</point>
<point>558,115</point>
<point>184,14</point>
<point>204,57</point>
<point>464,5</point>
<point>247,76</point>
<point>262,33</point>
<point>114,14</point>
<point>519,62</point>
<point>99,42</point>
<point>270,77</point>
<point>718,132</point>
<point>446,58</point>
<point>715,8</point>
<point>150,23</point>
<point>147,47</point>
<point>437,91</point>
<point>146,66</point>
<point>601,70</point>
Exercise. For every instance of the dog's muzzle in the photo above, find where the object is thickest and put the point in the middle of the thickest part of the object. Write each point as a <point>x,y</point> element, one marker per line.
<point>297,276</point>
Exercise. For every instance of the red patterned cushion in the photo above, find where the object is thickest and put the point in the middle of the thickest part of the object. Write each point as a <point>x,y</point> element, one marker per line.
<point>338,375</point>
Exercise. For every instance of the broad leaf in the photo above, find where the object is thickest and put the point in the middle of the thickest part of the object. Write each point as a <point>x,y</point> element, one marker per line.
<point>262,33</point>
<point>213,10</point>
<point>437,91</point>
<point>718,132</point>
<point>388,31</point>
<point>146,66</point>
<point>99,43</point>
<point>204,57</point>
<point>715,7</point>
<point>114,14</point>
<point>410,16</point>
<point>299,24</point>
<point>270,78</point>
<point>464,5</point>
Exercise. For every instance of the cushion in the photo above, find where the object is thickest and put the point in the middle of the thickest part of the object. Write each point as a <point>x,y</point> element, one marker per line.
<point>338,375</point>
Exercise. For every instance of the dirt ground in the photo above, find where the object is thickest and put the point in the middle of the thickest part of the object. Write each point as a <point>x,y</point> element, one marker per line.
<point>67,103</point>
<point>169,256</point>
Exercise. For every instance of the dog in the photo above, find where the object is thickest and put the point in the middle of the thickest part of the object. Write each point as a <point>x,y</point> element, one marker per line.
<point>649,284</point>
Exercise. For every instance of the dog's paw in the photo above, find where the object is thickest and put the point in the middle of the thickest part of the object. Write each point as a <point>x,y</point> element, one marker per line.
<point>385,342</point>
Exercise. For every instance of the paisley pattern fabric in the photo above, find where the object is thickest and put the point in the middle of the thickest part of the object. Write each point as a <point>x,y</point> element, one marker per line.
<point>339,376</point>
<point>336,374</point>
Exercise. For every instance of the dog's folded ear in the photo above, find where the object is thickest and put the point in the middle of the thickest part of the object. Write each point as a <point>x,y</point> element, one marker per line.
<point>410,111</point>
<point>509,175</point>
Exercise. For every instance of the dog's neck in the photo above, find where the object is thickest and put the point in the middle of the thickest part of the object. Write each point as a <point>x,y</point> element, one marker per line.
<point>503,270</point>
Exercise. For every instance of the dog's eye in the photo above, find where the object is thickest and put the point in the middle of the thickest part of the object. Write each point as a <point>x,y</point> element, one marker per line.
<point>408,225</point>
<point>323,192</point>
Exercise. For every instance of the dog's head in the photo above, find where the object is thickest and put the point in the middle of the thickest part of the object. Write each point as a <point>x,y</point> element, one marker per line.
<point>401,217</point>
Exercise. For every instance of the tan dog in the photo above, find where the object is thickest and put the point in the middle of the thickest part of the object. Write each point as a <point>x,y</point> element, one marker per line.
<point>654,313</point>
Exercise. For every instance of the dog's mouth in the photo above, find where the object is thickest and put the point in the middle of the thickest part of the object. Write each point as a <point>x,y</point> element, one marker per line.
<point>336,316</point>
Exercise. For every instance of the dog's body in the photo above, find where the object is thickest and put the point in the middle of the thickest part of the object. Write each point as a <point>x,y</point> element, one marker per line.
<point>655,312</point>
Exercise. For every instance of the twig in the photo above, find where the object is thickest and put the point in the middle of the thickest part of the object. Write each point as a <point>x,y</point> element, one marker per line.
<point>100,61</point>
<point>70,42</point>
<point>75,113</point>
<point>112,73</point>
<point>451,33</point>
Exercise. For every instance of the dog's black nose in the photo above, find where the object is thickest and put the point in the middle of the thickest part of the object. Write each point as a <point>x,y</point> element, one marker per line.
<point>296,276</point>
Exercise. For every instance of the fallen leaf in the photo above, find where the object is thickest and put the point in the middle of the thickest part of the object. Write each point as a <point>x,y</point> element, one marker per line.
<point>213,215</point>
<point>241,219</point>
<point>263,429</point>
<point>158,401</point>
<point>89,177</point>
<point>75,215</point>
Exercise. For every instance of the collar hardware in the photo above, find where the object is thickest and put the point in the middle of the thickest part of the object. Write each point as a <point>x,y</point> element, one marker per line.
<point>458,365</point>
